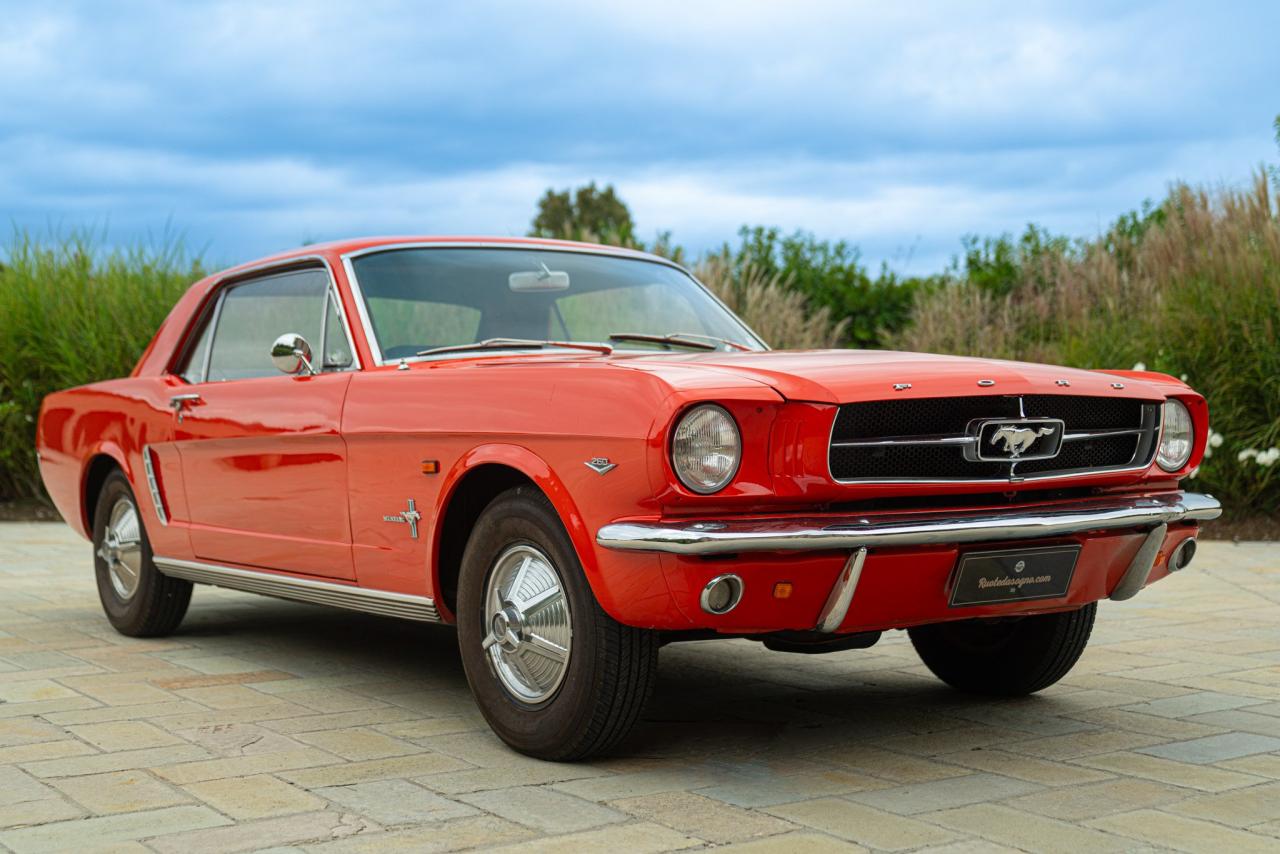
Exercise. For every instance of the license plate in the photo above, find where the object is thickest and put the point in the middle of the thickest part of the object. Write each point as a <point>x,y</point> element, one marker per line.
<point>1013,575</point>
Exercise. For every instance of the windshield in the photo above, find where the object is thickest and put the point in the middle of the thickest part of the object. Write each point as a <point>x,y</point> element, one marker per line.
<point>421,299</point>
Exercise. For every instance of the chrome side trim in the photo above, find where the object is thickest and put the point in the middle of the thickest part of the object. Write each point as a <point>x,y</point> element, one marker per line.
<point>841,596</point>
<point>1080,435</point>
<point>1135,577</point>
<point>420,608</point>
<point>1028,522</point>
<point>153,485</point>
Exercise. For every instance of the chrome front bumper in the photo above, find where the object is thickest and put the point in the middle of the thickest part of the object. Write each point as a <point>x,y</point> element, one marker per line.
<point>866,531</point>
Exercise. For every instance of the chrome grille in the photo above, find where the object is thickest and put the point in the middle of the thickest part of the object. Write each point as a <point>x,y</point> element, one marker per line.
<point>933,439</point>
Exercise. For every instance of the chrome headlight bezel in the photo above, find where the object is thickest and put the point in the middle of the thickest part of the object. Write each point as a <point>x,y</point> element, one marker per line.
<point>1177,436</point>
<point>682,453</point>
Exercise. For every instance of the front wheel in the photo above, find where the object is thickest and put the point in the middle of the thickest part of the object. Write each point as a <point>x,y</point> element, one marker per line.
<point>553,674</point>
<point>1007,657</point>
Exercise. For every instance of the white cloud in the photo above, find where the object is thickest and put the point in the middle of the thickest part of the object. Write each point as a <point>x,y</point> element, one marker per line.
<point>897,126</point>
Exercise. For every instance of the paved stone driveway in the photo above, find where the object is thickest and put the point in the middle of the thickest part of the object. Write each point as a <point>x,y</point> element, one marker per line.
<point>270,724</point>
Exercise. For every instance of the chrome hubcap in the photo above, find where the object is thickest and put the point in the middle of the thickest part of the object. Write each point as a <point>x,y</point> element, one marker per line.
<point>121,548</point>
<point>527,615</point>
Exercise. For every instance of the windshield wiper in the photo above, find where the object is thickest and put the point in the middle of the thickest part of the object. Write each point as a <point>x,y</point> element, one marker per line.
<point>692,340</point>
<point>516,344</point>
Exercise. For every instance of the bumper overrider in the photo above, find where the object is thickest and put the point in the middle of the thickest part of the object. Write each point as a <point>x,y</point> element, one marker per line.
<point>858,533</point>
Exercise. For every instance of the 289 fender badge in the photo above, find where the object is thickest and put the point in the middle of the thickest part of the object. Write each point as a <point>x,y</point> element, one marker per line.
<point>600,465</point>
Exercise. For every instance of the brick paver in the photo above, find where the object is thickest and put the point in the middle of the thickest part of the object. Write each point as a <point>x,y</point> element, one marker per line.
<point>273,724</point>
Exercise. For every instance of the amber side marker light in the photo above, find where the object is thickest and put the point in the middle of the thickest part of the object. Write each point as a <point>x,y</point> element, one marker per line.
<point>782,590</point>
<point>430,466</point>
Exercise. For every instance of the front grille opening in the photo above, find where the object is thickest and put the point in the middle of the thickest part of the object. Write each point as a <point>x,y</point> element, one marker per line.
<point>913,461</point>
<point>1086,413</point>
<point>919,417</point>
<point>1106,452</point>
<point>916,427</point>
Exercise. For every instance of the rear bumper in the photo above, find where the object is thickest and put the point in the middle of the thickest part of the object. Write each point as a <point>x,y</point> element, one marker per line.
<point>868,531</point>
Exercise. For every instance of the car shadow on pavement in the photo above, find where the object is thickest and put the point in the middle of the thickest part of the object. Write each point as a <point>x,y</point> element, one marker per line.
<point>722,700</point>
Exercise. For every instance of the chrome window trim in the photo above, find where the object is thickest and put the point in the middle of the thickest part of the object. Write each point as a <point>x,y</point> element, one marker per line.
<point>213,333</point>
<point>335,298</point>
<point>371,337</point>
<point>1150,430</point>
<point>324,327</point>
<point>257,272</point>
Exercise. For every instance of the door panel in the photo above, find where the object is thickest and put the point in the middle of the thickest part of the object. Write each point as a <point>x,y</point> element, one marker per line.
<point>264,465</point>
<point>263,458</point>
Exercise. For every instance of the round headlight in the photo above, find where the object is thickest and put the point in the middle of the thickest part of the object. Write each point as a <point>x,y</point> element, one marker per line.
<point>1177,438</point>
<point>706,448</point>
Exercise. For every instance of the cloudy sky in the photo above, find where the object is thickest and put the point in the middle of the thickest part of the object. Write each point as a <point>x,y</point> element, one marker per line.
<point>253,127</point>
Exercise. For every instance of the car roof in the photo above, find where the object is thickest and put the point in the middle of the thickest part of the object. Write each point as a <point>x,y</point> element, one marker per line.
<point>359,244</point>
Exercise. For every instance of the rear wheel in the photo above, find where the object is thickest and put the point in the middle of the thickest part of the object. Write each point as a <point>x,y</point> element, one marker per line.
<point>138,599</point>
<point>1009,656</point>
<point>553,674</point>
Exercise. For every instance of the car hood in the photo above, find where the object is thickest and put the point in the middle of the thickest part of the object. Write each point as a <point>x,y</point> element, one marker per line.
<point>840,376</point>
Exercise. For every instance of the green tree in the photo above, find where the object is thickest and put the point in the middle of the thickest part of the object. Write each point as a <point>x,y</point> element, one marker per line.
<point>588,213</point>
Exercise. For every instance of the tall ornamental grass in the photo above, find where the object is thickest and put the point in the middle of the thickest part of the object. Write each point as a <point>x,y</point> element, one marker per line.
<point>1191,288</point>
<point>72,313</point>
<point>781,315</point>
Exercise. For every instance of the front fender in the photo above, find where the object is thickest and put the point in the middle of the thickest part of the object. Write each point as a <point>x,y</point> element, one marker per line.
<point>631,588</point>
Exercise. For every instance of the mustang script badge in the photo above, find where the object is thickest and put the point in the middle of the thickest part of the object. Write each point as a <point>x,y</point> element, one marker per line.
<point>411,516</point>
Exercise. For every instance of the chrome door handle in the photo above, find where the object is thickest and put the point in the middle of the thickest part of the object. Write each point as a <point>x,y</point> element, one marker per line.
<point>179,401</point>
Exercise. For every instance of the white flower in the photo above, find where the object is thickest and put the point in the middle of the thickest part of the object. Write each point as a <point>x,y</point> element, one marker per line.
<point>1247,454</point>
<point>1213,441</point>
<point>1269,457</point>
<point>1140,366</point>
<point>1184,378</point>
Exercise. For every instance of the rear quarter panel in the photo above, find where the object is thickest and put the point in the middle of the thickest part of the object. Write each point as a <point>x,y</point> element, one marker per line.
<point>116,419</point>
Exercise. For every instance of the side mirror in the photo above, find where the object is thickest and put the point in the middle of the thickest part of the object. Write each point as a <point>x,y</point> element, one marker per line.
<point>291,354</point>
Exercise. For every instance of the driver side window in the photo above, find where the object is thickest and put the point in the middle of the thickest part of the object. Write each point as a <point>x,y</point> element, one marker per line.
<point>238,332</point>
<point>254,314</point>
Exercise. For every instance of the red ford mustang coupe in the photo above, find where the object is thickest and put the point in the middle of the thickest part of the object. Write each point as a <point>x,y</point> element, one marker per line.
<point>577,454</point>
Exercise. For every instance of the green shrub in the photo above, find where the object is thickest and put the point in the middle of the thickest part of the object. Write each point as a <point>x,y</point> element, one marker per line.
<point>829,275</point>
<point>1190,287</point>
<point>72,314</point>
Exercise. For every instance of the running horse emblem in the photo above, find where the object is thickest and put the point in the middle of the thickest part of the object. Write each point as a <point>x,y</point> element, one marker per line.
<point>1018,440</point>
